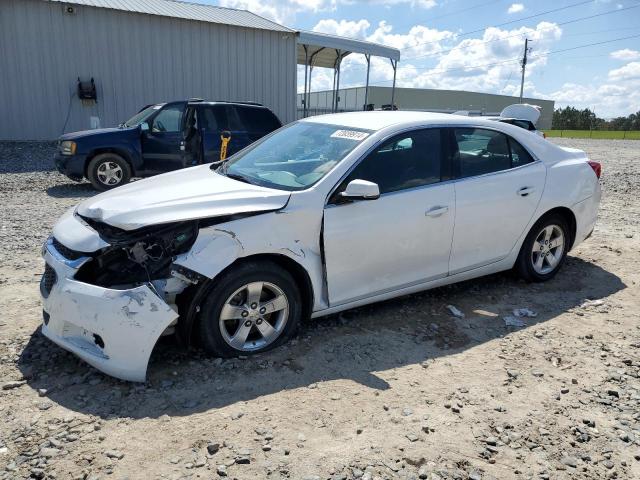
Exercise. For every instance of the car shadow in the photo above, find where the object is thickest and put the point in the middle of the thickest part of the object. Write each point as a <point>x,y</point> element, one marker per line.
<point>351,345</point>
<point>72,190</point>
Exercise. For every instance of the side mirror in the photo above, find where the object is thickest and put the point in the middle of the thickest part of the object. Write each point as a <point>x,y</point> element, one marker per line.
<point>361,190</point>
<point>144,127</point>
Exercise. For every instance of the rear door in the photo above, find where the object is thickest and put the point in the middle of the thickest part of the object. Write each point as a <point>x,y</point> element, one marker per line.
<point>498,187</point>
<point>162,145</point>
<point>239,131</point>
<point>212,120</point>
<point>402,238</point>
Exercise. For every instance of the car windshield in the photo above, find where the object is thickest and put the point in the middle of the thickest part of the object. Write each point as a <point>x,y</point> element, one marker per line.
<point>295,157</point>
<point>141,116</point>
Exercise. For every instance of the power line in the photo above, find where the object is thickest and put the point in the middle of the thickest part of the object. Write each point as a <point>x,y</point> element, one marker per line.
<point>442,52</point>
<point>464,34</point>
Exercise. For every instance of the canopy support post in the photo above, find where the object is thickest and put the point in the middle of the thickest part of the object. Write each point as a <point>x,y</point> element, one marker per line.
<point>394,64</point>
<point>339,61</point>
<point>306,70</point>
<point>367,56</point>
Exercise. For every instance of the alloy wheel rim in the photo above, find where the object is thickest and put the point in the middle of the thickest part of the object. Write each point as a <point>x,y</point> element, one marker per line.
<point>254,316</point>
<point>109,173</point>
<point>548,248</point>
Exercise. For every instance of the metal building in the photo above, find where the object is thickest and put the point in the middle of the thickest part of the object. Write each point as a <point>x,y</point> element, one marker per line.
<point>137,52</point>
<point>448,101</point>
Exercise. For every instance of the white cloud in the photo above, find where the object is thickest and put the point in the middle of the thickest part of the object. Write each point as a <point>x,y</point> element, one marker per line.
<point>345,28</point>
<point>515,8</point>
<point>625,54</point>
<point>630,71</point>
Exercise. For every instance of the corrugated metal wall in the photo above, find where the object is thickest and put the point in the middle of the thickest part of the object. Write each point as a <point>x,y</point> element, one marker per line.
<point>419,98</point>
<point>135,59</point>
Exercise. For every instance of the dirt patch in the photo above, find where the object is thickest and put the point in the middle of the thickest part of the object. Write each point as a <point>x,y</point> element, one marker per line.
<point>400,389</point>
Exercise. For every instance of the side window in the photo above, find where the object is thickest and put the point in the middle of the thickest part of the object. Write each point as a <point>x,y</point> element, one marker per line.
<point>481,151</point>
<point>233,119</point>
<point>258,120</point>
<point>169,119</point>
<point>405,161</point>
<point>211,118</point>
<point>519,156</point>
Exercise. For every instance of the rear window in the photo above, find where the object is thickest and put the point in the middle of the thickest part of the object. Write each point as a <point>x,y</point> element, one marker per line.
<point>258,119</point>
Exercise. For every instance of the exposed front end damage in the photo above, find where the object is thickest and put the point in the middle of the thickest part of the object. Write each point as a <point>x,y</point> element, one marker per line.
<point>110,306</point>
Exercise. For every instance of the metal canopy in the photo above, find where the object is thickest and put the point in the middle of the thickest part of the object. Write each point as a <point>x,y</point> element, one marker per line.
<point>327,51</point>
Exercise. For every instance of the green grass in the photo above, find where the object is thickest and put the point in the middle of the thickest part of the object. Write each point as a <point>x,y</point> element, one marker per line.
<point>606,134</point>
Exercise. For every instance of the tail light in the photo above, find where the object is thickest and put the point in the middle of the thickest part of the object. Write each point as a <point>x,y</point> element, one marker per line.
<point>597,168</point>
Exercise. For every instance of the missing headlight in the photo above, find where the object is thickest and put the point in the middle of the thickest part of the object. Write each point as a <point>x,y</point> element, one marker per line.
<point>139,255</point>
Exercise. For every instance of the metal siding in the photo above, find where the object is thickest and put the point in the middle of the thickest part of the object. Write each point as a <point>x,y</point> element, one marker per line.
<point>136,59</point>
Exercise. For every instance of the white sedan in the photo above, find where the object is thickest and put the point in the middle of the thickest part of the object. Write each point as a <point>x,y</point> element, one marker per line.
<point>323,215</point>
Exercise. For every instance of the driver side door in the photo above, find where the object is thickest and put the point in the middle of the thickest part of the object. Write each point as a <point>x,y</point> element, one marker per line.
<point>401,239</point>
<point>163,147</point>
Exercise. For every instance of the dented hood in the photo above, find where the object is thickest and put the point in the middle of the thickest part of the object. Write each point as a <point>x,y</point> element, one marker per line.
<point>188,194</point>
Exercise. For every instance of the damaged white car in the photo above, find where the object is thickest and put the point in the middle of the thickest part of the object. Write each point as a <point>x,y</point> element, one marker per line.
<point>325,214</point>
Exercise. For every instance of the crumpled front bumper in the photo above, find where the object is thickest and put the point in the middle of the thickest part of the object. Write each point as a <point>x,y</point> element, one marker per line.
<point>113,330</point>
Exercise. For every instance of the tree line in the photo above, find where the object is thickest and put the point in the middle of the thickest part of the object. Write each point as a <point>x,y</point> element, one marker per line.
<point>570,118</point>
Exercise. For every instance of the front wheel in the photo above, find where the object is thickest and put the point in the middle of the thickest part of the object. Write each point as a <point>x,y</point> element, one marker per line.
<point>544,250</point>
<point>252,308</point>
<point>107,171</point>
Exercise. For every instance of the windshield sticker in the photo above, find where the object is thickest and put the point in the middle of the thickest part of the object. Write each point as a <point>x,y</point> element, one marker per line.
<point>350,135</point>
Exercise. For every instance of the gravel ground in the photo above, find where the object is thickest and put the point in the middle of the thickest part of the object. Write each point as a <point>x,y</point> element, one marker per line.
<point>400,389</point>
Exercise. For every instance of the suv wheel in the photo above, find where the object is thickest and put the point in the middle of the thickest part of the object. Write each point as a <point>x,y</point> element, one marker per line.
<point>251,309</point>
<point>544,250</point>
<point>107,171</point>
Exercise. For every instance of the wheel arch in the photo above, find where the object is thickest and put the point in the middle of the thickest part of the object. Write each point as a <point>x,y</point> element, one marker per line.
<point>569,217</point>
<point>190,299</point>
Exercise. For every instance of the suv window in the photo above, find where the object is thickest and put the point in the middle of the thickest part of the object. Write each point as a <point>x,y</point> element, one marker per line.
<point>233,119</point>
<point>478,151</point>
<point>407,160</point>
<point>169,119</point>
<point>257,119</point>
<point>211,118</point>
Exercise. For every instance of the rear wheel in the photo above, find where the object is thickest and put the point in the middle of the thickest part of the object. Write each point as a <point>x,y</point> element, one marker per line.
<point>107,171</point>
<point>544,250</point>
<point>250,309</point>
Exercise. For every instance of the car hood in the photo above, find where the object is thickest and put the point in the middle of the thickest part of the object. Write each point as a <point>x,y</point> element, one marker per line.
<point>187,194</point>
<point>91,133</point>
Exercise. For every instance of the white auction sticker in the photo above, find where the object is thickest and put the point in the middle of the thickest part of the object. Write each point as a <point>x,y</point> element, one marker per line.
<point>350,134</point>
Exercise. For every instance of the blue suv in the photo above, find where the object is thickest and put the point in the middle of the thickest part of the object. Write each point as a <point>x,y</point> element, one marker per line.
<point>161,138</point>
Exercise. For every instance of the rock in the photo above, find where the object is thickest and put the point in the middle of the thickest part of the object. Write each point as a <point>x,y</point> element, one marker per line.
<point>243,460</point>
<point>237,415</point>
<point>406,411</point>
<point>213,448</point>
<point>48,452</point>
<point>114,454</point>
<point>537,373</point>
<point>221,470</point>
<point>524,312</point>
<point>569,461</point>
<point>13,384</point>
<point>411,437</point>
<point>266,448</point>
<point>491,441</point>
<point>511,321</point>
<point>423,473</point>
<point>455,312</point>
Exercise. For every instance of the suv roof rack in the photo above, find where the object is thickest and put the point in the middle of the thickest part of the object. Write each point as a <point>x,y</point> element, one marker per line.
<point>196,99</point>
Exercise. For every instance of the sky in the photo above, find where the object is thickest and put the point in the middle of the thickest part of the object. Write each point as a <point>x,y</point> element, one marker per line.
<point>583,53</point>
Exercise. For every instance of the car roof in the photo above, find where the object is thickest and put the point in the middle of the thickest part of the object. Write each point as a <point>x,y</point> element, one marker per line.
<point>377,120</point>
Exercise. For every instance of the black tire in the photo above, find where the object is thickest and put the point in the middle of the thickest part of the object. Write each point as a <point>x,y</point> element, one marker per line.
<point>103,160</point>
<point>209,330</point>
<point>524,266</point>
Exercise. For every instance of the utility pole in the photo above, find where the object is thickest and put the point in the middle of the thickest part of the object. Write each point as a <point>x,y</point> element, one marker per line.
<point>524,66</point>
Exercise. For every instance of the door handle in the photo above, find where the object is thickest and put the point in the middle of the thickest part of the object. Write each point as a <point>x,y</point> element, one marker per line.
<point>437,211</point>
<point>524,191</point>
